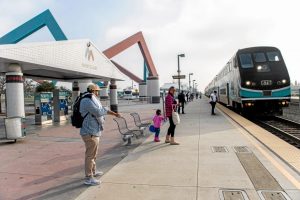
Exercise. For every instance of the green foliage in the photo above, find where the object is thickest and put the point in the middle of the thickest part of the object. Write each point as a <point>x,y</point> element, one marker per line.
<point>45,86</point>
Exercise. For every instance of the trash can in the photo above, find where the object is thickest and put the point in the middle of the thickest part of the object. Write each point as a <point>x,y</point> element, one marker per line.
<point>15,128</point>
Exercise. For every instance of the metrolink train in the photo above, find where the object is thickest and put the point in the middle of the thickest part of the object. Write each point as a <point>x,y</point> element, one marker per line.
<point>254,80</point>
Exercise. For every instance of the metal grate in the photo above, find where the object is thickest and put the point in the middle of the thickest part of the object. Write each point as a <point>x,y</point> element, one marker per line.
<point>219,149</point>
<point>241,149</point>
<point>273,195</point>
<point>233,195</point>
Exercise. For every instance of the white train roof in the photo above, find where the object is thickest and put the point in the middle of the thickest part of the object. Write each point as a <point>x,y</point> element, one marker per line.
<point>62,60</point>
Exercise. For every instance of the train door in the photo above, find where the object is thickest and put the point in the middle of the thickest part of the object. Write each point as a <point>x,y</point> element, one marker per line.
<point>227,93</point>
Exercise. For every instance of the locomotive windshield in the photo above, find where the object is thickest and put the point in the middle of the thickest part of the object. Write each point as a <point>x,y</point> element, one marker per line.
<point>273,56</point>
<point>246,60</point>
<point>259,57</point>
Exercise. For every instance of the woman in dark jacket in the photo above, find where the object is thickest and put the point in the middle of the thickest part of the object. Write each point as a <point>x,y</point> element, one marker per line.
<point>170,105</point>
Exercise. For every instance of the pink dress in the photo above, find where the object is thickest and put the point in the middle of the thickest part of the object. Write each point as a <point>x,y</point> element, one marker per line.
<point>157,121</point>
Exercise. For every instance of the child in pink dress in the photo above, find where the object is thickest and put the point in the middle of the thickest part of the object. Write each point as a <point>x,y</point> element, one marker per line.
<point>157,121</point>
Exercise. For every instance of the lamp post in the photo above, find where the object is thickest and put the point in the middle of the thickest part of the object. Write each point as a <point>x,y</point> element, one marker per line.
<point>178,70</point>
<point>190,74</point>
<point>193,85</point>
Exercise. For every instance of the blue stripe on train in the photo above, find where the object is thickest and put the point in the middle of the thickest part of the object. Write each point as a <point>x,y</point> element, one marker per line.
<point>256,94</point>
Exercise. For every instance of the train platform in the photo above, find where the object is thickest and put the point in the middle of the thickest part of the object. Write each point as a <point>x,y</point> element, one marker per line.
<point>49,163</point>
<point>217,159</point>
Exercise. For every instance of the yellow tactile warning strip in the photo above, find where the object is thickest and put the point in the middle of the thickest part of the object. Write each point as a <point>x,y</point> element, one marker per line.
<point>258,174</point>
<point>284,150</point>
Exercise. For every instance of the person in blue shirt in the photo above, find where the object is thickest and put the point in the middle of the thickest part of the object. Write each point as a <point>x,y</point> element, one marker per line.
<point>92,126</point>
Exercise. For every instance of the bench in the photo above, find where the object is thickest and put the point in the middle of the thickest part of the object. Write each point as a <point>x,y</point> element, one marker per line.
<point>126,133</point>
<point>137,120</point>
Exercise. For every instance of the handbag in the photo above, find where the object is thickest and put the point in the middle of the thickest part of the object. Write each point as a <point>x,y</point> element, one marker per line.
<point>175,117</point>
<point>152,128</point>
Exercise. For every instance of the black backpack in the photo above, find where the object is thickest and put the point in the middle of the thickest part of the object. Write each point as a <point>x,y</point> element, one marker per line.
<point>76,117</point>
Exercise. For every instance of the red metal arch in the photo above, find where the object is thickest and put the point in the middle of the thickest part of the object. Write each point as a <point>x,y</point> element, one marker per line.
<point>125,44</point>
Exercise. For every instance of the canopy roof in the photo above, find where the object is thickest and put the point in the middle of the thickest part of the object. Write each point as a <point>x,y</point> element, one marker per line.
<point>61,60</point>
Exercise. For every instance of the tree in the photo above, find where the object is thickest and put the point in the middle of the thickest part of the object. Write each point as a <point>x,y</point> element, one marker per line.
<point>45,86</point>
<point>2,90</point>
<point>29,86</point>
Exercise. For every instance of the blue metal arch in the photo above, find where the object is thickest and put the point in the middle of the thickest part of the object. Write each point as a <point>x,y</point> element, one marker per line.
<point>43,19</point>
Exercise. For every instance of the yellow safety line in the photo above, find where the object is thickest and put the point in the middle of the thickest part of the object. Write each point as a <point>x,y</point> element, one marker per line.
<point>292,179</point>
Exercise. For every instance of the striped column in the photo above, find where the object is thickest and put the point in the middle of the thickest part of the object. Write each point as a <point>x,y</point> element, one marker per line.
<point>15,109</point>
<point>15,92</point>
<point>83,84</point>
<point>143,89</point>
<point>153,90</point>
<point>104,91</point>
<point>113,96</point>
<point>75,91</point>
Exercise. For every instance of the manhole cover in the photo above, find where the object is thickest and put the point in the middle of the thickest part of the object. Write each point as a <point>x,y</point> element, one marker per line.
<point>241,149</point>
<point>219,149</point>
<point>273,195</point>
<point>233,195</point>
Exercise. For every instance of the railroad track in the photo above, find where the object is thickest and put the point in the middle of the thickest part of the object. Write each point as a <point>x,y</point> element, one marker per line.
<point>284,129</point>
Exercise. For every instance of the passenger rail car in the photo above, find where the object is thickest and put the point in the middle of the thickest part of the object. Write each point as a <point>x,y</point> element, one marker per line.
<point>254,79</point>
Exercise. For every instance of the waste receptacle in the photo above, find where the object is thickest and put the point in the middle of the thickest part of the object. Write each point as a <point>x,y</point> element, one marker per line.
<point>15,128</point>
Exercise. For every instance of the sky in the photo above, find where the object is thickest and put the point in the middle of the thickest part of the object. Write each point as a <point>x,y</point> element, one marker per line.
<point>208,32</point>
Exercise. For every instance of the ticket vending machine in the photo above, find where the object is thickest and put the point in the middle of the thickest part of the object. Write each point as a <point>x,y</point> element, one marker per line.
<point>43,102</point>
<point>63,102</point>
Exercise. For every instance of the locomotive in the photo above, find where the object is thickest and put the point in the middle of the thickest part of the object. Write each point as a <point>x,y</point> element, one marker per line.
<point>254,80</point>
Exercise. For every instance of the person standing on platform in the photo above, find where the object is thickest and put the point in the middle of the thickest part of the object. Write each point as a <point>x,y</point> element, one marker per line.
<point>170,106</point>
<point>93,113</point>
<point>157,121</point>
<point>181,99</point>
<point>213,99</point>
<point>187,96</point>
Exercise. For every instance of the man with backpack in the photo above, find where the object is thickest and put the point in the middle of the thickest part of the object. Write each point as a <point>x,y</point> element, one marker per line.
<point>91,119</point>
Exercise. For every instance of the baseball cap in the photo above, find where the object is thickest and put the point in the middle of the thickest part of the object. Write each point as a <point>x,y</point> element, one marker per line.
<point>93,87</point>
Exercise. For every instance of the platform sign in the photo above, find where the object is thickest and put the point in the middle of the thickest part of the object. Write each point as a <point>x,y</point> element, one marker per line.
<point>178,77</point>
<point>45,97</point>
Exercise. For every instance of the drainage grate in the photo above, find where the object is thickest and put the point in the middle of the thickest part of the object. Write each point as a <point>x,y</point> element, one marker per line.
<point>233,195</point>
<point>241,149</point>
<point>219,149</point>
<point>273,195</point>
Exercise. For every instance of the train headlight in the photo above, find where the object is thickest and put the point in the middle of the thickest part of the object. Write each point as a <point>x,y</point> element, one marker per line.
<point>283,81</point>
<point>248,83</point>
<point>259,67</point>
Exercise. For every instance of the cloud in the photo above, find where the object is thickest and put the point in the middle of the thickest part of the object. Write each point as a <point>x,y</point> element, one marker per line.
<point>209,32</point>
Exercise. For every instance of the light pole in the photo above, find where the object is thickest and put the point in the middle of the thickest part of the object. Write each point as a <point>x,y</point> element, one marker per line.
<point>179,55</point>
<point>193,85</point>
<point>190,74</point>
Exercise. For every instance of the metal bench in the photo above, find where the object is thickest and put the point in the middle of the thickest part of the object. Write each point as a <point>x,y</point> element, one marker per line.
<point>126,133</point>
<point>137,120</point>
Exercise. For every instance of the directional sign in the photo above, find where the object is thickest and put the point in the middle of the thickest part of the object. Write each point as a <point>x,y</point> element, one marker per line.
<point>178,77</point>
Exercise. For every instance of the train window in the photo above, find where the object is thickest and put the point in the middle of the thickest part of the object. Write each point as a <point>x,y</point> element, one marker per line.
<point>246,60</point>
<point>273,56</point>
<point>259,57</point>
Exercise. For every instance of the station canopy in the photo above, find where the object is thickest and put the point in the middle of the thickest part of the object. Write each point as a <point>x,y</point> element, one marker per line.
<point>66,60</point>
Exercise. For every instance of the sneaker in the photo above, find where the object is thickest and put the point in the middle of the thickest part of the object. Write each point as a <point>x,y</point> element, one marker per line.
<point>92,181</point>
<point>98,173</point>
<point>156,140</point>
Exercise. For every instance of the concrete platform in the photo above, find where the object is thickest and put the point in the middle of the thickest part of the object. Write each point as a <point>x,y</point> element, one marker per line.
<point>193,170</point>
<point>48,163</point>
